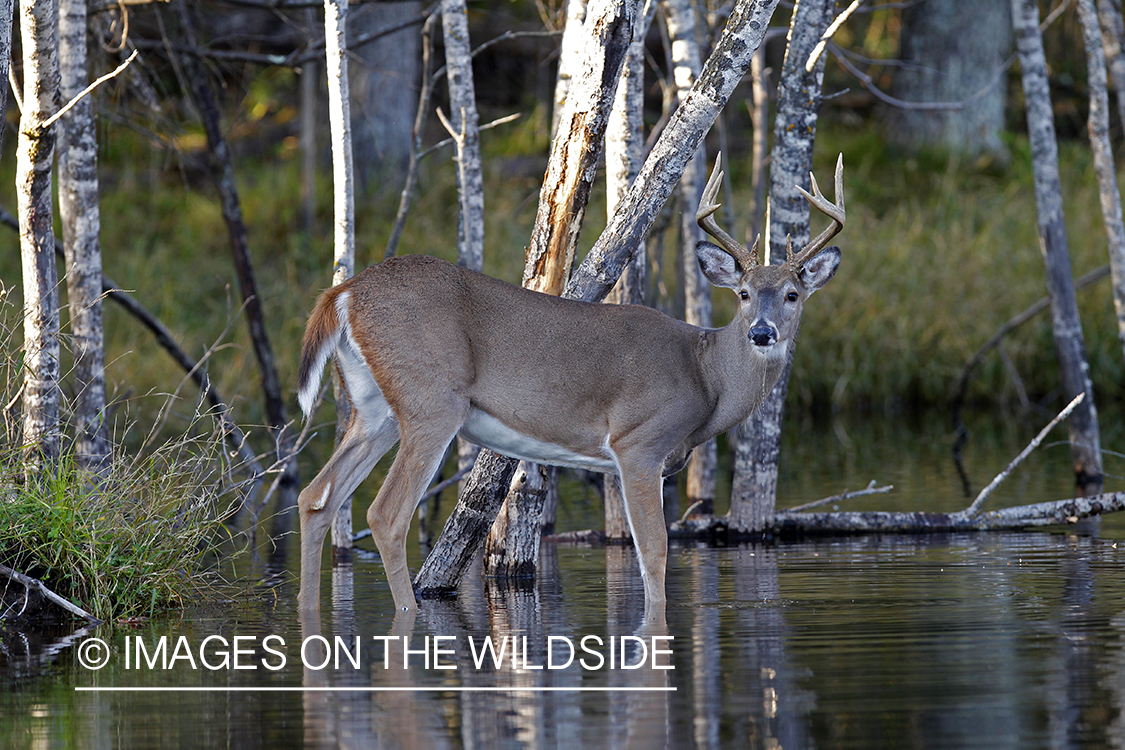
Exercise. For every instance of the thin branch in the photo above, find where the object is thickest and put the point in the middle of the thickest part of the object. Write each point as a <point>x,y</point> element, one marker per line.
<point>84,92</point>
<point>871,489</point>
<point>829,33</point>
<point>974,508</point>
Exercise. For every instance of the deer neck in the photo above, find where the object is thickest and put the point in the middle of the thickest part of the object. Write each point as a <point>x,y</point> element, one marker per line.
<point>741,374</point>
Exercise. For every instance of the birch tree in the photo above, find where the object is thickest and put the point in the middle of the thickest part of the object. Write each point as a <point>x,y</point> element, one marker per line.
<point>758,438</point>
<point>7,10</point>
<point>78,205</point>
<point>466,132</point>
<point>1098,126</point>
<point>462,536</point>
<point>35,150</point>
<point>1113,42</point>
<point>686,66</point>
<point>1070,346</point>
<point>570,57</point>
<point>343,208</point>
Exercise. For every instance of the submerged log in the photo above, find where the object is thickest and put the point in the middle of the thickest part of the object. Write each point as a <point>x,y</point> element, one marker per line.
<point>1051,513</point>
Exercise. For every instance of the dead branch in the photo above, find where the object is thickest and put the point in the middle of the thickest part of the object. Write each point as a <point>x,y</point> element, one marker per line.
<point>30,583</point>
<point>974,508</point>
<point>871,489</point>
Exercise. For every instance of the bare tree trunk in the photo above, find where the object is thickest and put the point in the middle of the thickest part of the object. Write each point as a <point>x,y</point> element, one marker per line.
<point>760,108</point>
<point>78,205</point>
<point>461,538</point>
<point>1098,126</point>
<point>41,433</point>
<point>758,438</point>
<point>383,81</point>
<point>470,180</point>
<point>310,72</point>
<point>343,210</point>
<point>624,152</point>
<point>575,153</point>
<point>463,102</point>
<point>7,18</point>
<point>950,57</point>
<point>570,58</point>
<point>1113,41</point>
<point>1069,344</point>
<point>512,547</point>
<point>686,66</point>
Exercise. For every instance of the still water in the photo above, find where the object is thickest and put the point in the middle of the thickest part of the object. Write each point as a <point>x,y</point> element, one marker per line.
<point>984,640</point>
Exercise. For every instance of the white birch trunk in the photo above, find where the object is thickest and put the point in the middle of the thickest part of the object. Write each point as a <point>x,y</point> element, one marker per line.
<point>78,205</point>
<point>624,152</point>
<point>1098,127</point>
<point>343,205</point>
<point>7,18</point>
<point>466,123</point>
<point>1069,343</point>
<point>570,58</point>
<point>35,151</point>
<point>758,438</point>
<point>679,16</point>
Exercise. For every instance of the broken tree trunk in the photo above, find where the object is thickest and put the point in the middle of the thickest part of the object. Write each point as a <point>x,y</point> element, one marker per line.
<point>1069,344</point>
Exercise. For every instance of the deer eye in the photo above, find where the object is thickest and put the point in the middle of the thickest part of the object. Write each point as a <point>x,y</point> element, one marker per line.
<point>744,294</point>
<point>792,296</point>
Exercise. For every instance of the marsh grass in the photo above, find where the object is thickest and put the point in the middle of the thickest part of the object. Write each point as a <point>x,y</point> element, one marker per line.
<point>131,541</point>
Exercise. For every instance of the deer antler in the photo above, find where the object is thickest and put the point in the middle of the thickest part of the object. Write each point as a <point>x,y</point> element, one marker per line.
<point>746,259</point>
<point>834,211</point>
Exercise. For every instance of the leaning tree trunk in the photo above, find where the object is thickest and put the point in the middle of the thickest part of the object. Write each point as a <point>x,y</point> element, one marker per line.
<point>343,211</point>
<point>624,153</point>
<point>679,15</point>
<point>1098,127</point>
<point>41,434</point>
<point>613,251</point>
<point>78,205</point>
<point>571,169</point>
<point>1069,344</point>
<point>758,438</point>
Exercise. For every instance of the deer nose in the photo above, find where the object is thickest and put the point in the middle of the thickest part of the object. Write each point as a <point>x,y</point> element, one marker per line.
<point>762,335</point>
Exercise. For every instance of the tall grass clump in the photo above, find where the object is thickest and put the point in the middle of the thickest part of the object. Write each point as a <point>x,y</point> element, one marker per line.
<point>126,543</point>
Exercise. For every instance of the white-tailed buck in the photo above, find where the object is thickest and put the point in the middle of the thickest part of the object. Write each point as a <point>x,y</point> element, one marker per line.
<point>428,351</point>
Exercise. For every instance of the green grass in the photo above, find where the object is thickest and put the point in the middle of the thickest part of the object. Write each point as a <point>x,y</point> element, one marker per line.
<point>130,542</point>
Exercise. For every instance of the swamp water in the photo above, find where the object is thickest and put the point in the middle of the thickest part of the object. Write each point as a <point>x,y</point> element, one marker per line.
<point>980,640</point>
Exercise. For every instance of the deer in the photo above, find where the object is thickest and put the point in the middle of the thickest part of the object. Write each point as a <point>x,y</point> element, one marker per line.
<point>426,351</point>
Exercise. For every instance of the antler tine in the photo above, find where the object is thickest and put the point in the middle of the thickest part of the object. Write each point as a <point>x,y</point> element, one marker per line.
<point>746,259</point>
<point>834,211</point>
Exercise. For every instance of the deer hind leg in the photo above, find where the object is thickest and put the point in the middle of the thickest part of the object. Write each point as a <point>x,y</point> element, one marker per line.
<point>362,447</point>
<point>644,508</point>
<point>424,440</point>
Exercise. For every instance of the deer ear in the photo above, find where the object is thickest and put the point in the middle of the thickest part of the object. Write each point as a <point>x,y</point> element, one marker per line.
<point>820,268</point>
<point>719,266</point>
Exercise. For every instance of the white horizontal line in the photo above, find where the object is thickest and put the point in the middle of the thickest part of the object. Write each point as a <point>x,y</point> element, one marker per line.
<point>367,689</point>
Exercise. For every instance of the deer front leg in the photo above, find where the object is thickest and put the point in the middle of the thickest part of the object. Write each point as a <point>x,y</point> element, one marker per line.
<point>418,459</point>
<point>645,510</point>
<point>318,504</point>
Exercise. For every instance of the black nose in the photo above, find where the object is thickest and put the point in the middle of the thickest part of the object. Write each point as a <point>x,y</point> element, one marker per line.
<point>762,335</point>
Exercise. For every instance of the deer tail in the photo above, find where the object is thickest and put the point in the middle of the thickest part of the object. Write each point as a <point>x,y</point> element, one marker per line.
<point>322,336</point>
